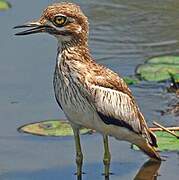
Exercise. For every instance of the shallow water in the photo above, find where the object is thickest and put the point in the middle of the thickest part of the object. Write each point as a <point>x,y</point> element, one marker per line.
<point>123,34</point>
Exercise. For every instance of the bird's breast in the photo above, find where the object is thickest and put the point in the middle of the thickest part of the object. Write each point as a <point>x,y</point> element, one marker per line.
<point>70,95</point>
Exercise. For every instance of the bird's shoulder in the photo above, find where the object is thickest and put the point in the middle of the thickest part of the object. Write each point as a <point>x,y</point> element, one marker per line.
<point>102,76</point>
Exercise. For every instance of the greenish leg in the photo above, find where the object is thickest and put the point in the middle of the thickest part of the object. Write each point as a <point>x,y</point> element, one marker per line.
<point>107,156</point>
<point>79,155</point>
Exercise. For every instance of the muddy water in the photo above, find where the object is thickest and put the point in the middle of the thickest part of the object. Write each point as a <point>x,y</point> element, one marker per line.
<point>123,34</point>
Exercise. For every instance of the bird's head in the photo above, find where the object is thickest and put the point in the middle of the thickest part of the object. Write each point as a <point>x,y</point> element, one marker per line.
<point>65,21</point>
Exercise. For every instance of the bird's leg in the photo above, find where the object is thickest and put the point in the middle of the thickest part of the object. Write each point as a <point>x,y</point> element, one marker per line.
<point>107,156</point>
<point>79,155</point>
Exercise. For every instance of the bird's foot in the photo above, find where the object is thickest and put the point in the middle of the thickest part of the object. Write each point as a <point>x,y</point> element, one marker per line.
<point>107,174</point>
<point>78,174</point>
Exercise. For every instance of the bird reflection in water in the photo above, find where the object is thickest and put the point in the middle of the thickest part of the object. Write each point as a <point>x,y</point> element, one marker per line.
<point>148,171</point>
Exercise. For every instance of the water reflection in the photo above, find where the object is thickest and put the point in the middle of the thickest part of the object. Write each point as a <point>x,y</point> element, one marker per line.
<point>148,171</point>
<point>79,177</point>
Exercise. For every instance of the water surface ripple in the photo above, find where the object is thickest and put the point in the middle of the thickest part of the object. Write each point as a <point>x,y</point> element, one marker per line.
<point>123,34</point>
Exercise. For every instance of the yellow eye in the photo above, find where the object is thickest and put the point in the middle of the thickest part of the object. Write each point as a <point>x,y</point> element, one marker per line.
<point>60,20</point>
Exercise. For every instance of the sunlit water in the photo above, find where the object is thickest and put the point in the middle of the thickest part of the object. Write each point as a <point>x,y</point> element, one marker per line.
<point>123,34</point>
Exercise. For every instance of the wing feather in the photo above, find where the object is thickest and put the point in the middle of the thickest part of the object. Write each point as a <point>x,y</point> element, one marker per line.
<point>115,103</point>
<point>115,107</point>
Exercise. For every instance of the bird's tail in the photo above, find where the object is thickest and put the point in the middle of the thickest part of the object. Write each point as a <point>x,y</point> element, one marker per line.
<point>148,144</point>
<point>149,150</point>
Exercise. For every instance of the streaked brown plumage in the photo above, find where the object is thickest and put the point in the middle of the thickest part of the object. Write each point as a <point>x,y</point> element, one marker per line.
<point>90,94</point>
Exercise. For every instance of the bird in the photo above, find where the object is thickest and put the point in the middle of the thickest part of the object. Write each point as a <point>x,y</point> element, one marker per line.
<point>90,94</point>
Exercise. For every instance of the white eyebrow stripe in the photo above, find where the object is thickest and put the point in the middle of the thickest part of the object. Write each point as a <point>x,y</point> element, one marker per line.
<point>60,15</point>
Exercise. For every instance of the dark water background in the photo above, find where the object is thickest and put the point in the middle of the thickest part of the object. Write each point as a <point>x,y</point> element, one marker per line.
<point>123,34</point>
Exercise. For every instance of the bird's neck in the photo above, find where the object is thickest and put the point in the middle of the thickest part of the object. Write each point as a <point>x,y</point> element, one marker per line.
<point>74,50</point>
<point>69,42</point>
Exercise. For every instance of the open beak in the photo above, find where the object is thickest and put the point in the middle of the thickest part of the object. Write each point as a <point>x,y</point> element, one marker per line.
<point>34,27</point>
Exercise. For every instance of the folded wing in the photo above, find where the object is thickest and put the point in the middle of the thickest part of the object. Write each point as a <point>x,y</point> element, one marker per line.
<point>115,104</point>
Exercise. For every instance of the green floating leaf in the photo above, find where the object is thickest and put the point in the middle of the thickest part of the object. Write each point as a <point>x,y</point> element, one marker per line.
<point>51,128</point>
<point>4,5</point>
<point>131,80</point>
<point>164,60</point>
<point>175,77</point>
<point>158,69</point>
<point>165,141</point>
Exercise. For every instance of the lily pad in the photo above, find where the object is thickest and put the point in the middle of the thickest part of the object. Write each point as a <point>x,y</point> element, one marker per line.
<point>165,141</point>
<point>159,68</point>
<point>4,5</point>
<point>131,80</point>
<point>164,60</point>
<point>175,77</point>
<point>174,85</point>
<point>51,128</point>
